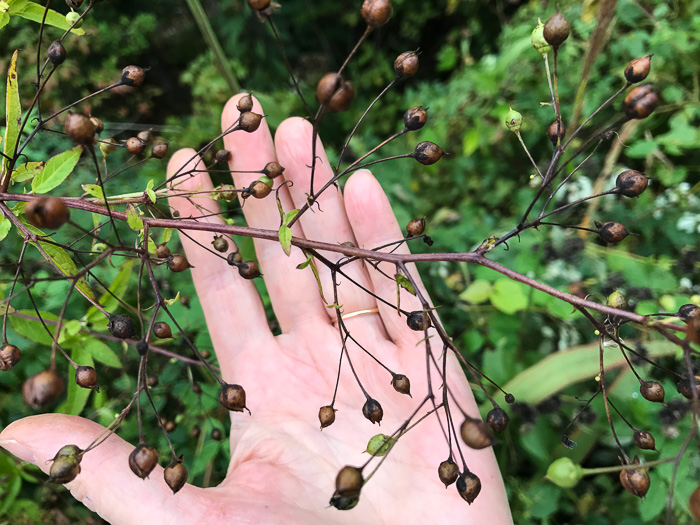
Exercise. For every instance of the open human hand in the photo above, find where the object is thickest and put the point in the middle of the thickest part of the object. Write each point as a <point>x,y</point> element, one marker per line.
<point>282,466</point>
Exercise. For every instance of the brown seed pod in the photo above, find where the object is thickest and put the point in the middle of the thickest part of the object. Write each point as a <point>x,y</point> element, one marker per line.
<point>556,29</point>
<point>86,377</point>
<point>169,426</point>
<point>326,416</point>
<point>427,153</point>
<point>57,53</point>
<point>99,125</point>
<point>64,469</point>
<point>220,244</point>
<point>448,472</point>
<point>373,411</point>
<point>9,357</point>
<point>79,128</point>
<point>497,419</point>
<point>227,192</point>
<point>401,384</point>
<point>334,92</point>
<point>175,475</point>
<point>260,190</point>
<point>349,482</point>
<point>234,258</point>
<point>688,312</point>
<point>418,321</point>
<point>42,388</point>
<point>635,481</point>
<point>556,132</point>
<point>415,227</point>
<point>652,391</point>
<point>153,381</point>
<point>223,156</point>
<point>376,12</point>
<point>468,486</point>
<point>476,434</point>
<point>135,146</point>
<point>249,270</point>
<point>259,5</point>
<point>146,136</point>
<point>638,69</point>
<point>142,460</point>
<point>121,326</point>
<point>47,212</point>
<point>640,102</point>
<point>273,169</point>
<point>177,263</point>
<point>694,503</point>
<point>74,4</point>
<point>684,388</point>
<point>216,434</point>
<point>159,150</point>
<point>249,121</point>
<point>232,397</point>
<point>162,251</point>
<point>406,64</point>
<point>611,232</point>
<point>245,103</point>
<point>644,440</point>
<point>162,330</point>
<point>631,183</point>
<point>133,76</point>
<point>415,118</point>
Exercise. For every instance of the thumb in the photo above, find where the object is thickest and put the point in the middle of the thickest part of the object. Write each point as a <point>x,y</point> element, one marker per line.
<point>106,484</point>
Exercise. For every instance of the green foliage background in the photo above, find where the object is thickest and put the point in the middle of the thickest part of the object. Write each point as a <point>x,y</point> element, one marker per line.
<point>476,61</point>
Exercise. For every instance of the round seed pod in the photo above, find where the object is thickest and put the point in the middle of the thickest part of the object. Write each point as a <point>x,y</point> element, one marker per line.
<point>448,472</point>
<point>169,426</point>
<point>652,391</point>
<point>73,451</point>
<point>153,381</point>
<point>47,212</point>
<point>74,4</point>
<point>401,384</point>
<point>245,103</point>
<point>232,397</point>
<point>376,12</point>
<point>616,300</point>
<point>334,92</point>
<point>223,155</point>
<point>631,183</point>
<point>42,388</point>
<point>216,434</point>
<point>162,330</point>
<point>273,169</point>
<point>57,53</point>
<point>162,251</point>
<point>612,232</point>
<point>121,326</point>
<point>418,321</point>
<point>415,227</point>
<point>146,136</point>
<point>259,5</point>
<point>476,434</point>
<point>415,118</point>
<point>638,69</point>
<point>556,30</point>
<point>175,475</point>
<point>9,357</point>
<point>406,64</point>
<point>259,189</point>
<point>684,388</point>
<point>635,481</point>
<point>234,258</point>
<point>510,399</point>
<point>468,486</point>
<point>142,460</point>
<point>688,312</point>
<point>249,121</point>
<point>108,146</point>
<point>64,469</point>
<point>86,377</point>
<point>227,192</point>
<point>644,440</point>
<point>326,416</point>
<point>497,419</point>
<point>349,482</point>
<point>249,270</point>
<point>135,146</point>
<point>514,120</point>
<point>159,150</point>
<point>79,128</point>
<point>74,18</point>
<point>427,153</point>
<point>133,76</point>
<point>640,102</point>
<point>220,244</point>
<point>373,411</point>
<point>177,263</point>
<point>99,125</point>
<point>142,347</point>
<point>538,41</point>
<point>556,132</point>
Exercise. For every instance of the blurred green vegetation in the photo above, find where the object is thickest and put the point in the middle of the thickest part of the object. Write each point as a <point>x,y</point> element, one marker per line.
<point>476,61</point>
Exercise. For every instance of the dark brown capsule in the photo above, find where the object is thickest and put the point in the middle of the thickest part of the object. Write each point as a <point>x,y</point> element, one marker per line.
<point>175,475</point>
<point>468,486</point>
<point>249,270</point>
<point>121,326</point>
<point>234,258</point>
<point>259,189</point>
<point>373,411</point>
<point>652,391</point>
<point>273,169</point>
<point>688,312</point>
<point>159,150</point>
<point>415,118</point>
<point>135,146</point>
<point>79,128</point>
<point>162,330</point>
<point>133,76</point>
<point>427,153</point>
<point>476,434</point>
<point>640,102</point>
<point>259,5</point>
<point>245,103</point>
<point>418,321</point>
<point>177,263</point>
<point>644,440</point>
<point>249,121</point>
<point>64,469</point>
<point>401,384</point>
<point>86,377</point>
<point>223,156</point>
<point>638,69</point>
<point>153,381</point>
<point>694,503</point>
<point>99,125</point>
<point>415,227</point>
<point>348,482</point>
<point>47,212</point>
<point>631,183</point>
<point>448,472</point>
<point>220,244</point>
<point>376,12</point>
<point>227,192</point>
<point>326,416</point>
<point>57,53</point>
<point>556,132</point>
<point>162,251</point>
<point>635,481</point>
<point>612,232</point>
<point>556,29</point>
<point>406,64</point>
<point>142,460</point>
<point>232,397</point>
<point>42,388</point>
<point>146,136</point>
<point>684,388</point>
<point>216,434</point>
<point>9,357</point>
<point>497,419</point>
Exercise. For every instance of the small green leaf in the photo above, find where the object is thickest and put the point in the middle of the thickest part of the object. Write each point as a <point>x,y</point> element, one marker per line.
<point>132,217</point>
<point>477,292</point>
<point>149,191</point>
<point>13,111</point>
<point>167,234</point>
<point>380,445</point>
<point>56,170</point>
<point>404,283</point>
<point>95,190</point>
<point>35,13</point>
<point>151,247</point>
<point>72,327</point>
<point>285,235</point>
<point>5,226</point>
<point>4,19</point>
<point>508,296</point>
<point>27,171</point>
<point>306,262</point>
<point>170,302</point>
<point>33,329</point>
<point>101,352</point>
<point>290,215</point>
<point>310,262</point>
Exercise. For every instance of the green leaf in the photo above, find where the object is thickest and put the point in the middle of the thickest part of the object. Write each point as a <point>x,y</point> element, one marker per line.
<point>35,13</point>
<point>101,352</point>
<point>33,329</point>
<point>508,296</point>
<point>290,215</point>
<point>4,19</point>
<point>27,171</point>
<point>404,283</point>
<point>5,226</point>
<point>477,292</point>
<point>380,445</point>
<point>149,191</point>
<point>310,262</point>
<point>95,190</point>
<point>132,217</point>
<point>13,111</point>
<point>77,396</point>
<point>56,170</point>
<point>167,234</point>
<point>285,235</point>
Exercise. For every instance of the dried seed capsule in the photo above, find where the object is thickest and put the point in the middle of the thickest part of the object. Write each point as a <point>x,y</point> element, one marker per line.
<point>227,192</point>
<point>245,103</point>
<point>644,440</point>
<point>376,12</point>
<point>406,64</point>
<point>146,136</point>
<point>73,451</point>
<point>86,377</point>
<point>64,469</point>
<point>142,460</point>
<point>223,155</point>
<point>273,169</point>
<point>162,251</point>
<point>162,330</point>
<point>326,416</point>
<point>631,183</point>
<point>42,388</point>
<point>9,357</point>
<point>538,41</point>
<point>401,384</point>
<point>159,150</point>
<point>220,244</point>
<point>476,434</point>
<point>427,153</point>
<point>258,5</point>
<point>415,118</point>
<point>121,326</point>
<point>640,102</point>
<point>372,411</point>
<point>99,125</point>
<point>142,347</point>
<point>684,388</point>
<point>611,232</point>
<point>177,263</point>
<point>616,300</point>
<point>349,482</point>
<point>135,146</point>
<point>556,29</point>
<point>249,121</point>
<point>415,227</point>
<point>335,93</point>
<point>688,312</point>
<point>232,397</point>
<point>448,472</point>
<point>133,76</point>
<point>635,481</point>
<point>57,53</point>
<point>638,69</point>
<point>497,419</point>
<point>108,146</point>
<point>556,132</point>
<point>47,212</point>
<point>652,391</point>
<point>234,258</point>
<point>175,475</point>
<point>79,128</point>
<point>514,120</point>
<point>344,503</point>
<point>468,486</point>
<point>260,189</point>
<point>248,270</point>
<point>418,321</point>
